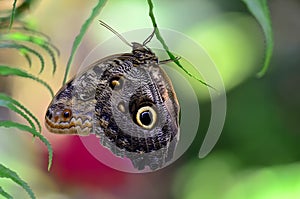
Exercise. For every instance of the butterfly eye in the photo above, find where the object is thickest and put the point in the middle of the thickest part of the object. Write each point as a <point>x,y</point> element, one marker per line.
<point>67,113</point>
<point>116,83</point>
<point>146,117</point>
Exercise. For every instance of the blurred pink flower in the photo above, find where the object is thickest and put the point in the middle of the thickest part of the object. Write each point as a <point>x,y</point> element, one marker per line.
<point>73,165</point>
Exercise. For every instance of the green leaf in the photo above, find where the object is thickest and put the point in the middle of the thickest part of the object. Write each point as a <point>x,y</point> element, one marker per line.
<point>82,32</point>
<point>7,173</point>
<point>6,70</point>
<point>12,104</point>
<point>161,40</point>
<point>17,11</point>
<point>27,32</point>
<point>22,127</point>
<point>13,12</point>
<point>5,194</point>
<point>260,10</point>
<point>34,39</point>
<point>24,51</point>
<point>27,57</point>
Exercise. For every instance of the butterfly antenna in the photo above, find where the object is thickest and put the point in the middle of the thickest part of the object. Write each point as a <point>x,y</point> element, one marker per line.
<point>115,32</point>
<point>149,38</point>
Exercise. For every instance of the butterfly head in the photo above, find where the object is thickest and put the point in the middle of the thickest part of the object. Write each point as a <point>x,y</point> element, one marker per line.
<point>143,53</point>
<point>62,116</point>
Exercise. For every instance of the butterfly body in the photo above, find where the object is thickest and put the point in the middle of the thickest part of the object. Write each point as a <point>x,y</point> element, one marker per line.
<point>128,101</point>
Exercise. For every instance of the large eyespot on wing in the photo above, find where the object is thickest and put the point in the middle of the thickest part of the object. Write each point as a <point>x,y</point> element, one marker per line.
<point>146,117</point>
<point>143,112</point>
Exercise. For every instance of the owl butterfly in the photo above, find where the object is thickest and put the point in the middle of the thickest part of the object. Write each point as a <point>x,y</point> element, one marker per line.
<point>127,100</point>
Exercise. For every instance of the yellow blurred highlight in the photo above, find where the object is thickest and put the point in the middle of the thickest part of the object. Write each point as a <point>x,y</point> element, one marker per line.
<point>235,44</point>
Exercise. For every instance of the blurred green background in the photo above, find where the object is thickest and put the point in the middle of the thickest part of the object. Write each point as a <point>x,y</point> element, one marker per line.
<point>257,156</point>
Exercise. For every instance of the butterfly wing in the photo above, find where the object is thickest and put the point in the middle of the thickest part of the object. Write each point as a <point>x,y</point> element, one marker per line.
<point>136,113</point>
<point>132,109</point>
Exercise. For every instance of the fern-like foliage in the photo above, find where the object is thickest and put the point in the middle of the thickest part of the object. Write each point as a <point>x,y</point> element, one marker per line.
<point>21,38</point>
<point>15,34</point>
<point>7,173</point>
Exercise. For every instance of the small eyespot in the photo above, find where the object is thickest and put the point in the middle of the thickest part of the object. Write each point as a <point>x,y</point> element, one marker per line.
<point>67,113</point>
<point>116,82</point>
<point>146,117</point>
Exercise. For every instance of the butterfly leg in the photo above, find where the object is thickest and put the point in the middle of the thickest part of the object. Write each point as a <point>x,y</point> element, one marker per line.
<point>169,60</point>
